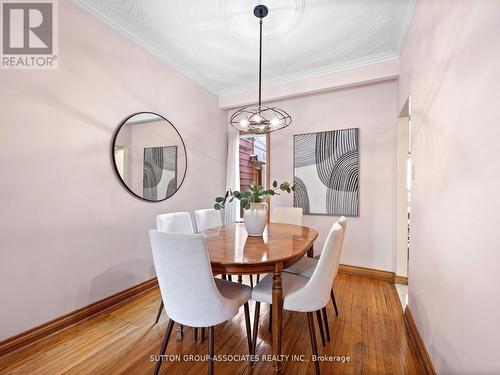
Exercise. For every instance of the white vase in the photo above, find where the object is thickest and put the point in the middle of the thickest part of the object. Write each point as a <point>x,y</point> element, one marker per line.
<point>255,218</point>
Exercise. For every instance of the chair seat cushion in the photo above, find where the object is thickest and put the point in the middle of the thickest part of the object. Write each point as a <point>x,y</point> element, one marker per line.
<point>262,292</point>
<point>304,267</point>
<point>239,293</point>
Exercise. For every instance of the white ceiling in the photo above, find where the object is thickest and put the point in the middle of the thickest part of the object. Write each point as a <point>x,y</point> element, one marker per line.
<point>215,42</point>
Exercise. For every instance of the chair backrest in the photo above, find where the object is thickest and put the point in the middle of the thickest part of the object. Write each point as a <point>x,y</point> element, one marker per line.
<point>206,219</point>
<point>175,222</point>
<point>186,283</point>
<point>316,293</point>
<point>287,215</point>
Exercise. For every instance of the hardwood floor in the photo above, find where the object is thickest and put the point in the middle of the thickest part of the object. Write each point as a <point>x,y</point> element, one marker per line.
<point>369,330</point>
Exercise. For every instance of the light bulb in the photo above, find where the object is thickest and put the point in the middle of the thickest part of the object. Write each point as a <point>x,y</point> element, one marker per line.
<point>275,122</point>
<point>260,128</point>
<point>257,119</point>
<point>244,123</point>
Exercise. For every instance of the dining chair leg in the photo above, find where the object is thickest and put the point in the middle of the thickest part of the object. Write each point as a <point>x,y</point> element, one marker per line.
<point>251,281</point>
<point>203,334</point>
<point>255,329</point>
<point>211,350</point>
<point>240,279</point>
<point>334,302</point>
<point>164,345</point>
<point>314,345</point>
<point>325,320</point>
<point>224,277</point>
<point>270,326</point>
<point>320,325</point>
<point>258,278</point>
<point>195,333</point>
<point>159,312</point>
<point>247,326</point>
<point>229,277</point>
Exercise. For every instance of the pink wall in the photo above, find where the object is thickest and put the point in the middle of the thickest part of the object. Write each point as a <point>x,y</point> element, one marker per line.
<point>451,66</point>
<point>370,238</point>
<point>70,233</point>
<point>361,75</point>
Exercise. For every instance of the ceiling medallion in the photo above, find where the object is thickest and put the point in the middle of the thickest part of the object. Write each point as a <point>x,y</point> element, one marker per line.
<point>260,119</point>
<point>285,16</point>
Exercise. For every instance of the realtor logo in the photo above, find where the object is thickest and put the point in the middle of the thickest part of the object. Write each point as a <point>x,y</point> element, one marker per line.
<point>29,34</point>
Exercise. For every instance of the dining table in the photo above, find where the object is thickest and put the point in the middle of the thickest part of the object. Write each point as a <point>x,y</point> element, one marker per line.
<point>233,252</point>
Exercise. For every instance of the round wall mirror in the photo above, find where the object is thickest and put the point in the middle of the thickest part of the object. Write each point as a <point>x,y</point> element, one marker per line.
<point>149,156</point>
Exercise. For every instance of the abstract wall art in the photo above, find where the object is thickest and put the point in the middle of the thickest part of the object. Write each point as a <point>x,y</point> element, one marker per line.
<point>326,166</point>
<point>160,172</point>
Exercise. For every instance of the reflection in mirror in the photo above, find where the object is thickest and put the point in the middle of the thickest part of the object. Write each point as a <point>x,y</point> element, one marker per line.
<point>149,156</point>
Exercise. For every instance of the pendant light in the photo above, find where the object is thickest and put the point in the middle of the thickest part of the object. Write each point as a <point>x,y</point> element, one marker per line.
<point>260,119</point>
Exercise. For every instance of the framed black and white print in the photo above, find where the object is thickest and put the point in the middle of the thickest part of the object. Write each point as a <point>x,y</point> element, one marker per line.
<point>326,177</point>
<point>160,172</point>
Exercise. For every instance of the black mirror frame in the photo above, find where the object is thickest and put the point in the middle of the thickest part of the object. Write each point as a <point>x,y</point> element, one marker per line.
<point>115,169</point>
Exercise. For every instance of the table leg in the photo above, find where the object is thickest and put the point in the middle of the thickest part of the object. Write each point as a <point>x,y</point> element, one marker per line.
<point>310,252</point>
<point>277,309</point>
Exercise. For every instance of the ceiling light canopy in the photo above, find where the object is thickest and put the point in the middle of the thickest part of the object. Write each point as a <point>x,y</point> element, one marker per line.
<point>260,119</point>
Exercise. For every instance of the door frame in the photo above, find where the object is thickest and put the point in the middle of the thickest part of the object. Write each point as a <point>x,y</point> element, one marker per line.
<point>403,190</point>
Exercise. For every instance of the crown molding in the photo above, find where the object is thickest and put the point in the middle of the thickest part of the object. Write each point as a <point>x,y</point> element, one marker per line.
<point>97,9</point>
<point>316,72</point>
<point>354,76</point>
<point>403,26</point>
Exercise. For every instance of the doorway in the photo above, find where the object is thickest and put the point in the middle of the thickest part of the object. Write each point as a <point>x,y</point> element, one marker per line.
<point>253,160</point>
<point>403,199</point>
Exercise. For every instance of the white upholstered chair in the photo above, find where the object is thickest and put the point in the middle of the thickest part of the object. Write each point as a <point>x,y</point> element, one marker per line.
<point>284,215</point>
<point>190,293</point>
<point>287,215</point>
<point>207,218</point>
<point>302,294</point>
<point>305,267</point>
<point>175,222</point>
<point>210,218</point>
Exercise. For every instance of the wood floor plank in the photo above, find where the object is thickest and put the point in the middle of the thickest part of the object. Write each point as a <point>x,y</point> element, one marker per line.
<point>369,329</point>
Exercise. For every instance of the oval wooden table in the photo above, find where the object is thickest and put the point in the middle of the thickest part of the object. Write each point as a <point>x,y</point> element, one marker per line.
<point>232,251</point>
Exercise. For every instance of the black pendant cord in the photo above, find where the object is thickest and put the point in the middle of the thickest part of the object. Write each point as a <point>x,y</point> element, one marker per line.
<point>260,64</point>
<point>260,119</point>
